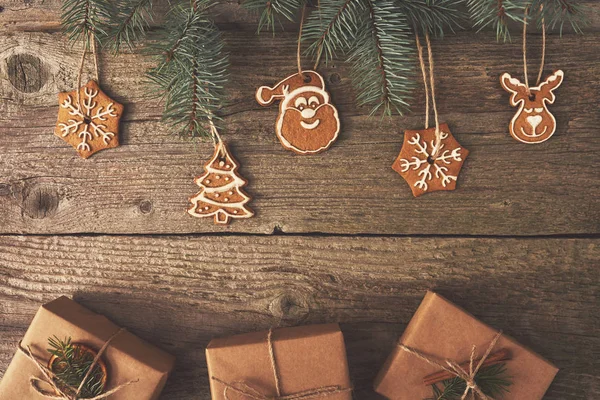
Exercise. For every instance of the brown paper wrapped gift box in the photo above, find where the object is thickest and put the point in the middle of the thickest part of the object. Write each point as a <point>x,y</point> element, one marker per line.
<point>445,331</point>
<point>127,357</point>
<point>306,358</point>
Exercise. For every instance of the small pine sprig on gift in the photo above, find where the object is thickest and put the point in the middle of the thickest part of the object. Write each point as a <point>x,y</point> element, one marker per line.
<point>191,68</point>
<point>71,362</point>
<point>492,380</point>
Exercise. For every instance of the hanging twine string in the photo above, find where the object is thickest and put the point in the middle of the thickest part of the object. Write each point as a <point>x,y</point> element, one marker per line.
<point>250,392</point>
<point>454,368</point>
<point>86,47</point>
<point>422,63</point>
<point>298,55</point>
<point>428,87</point>
<point>320,50</point>
<point>56,383</point>
<point>525,23</point>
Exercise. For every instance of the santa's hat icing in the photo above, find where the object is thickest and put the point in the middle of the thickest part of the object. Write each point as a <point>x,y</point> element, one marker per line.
<point>266,95</point>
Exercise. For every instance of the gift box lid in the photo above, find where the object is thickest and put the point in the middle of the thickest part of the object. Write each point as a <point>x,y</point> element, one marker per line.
<point>441,329</point>
<point>306,358</point>
<point>127,357</point>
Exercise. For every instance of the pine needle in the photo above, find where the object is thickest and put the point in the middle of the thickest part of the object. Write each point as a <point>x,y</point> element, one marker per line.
<point>129,25</point>
<point>492,380</point>
<point>191,68</point>
<point>71,366</point>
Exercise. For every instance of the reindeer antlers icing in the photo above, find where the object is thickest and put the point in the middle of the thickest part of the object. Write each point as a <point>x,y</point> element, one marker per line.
<point>533,122</point>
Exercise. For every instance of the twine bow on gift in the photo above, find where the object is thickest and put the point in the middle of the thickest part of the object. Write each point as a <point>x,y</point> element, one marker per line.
<point>250,392</point>
<point>455,369</point>
<point>56,383</point>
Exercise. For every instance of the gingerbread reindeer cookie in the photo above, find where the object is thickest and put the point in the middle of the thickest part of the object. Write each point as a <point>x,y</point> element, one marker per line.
<point>533,122</point>
<point>307,123</point>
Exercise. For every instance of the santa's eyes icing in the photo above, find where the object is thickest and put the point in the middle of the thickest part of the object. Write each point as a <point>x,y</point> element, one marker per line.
<point>301,103</point>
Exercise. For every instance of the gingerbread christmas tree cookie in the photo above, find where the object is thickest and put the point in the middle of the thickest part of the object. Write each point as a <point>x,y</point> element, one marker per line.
<point>425,168</point>
<point>88,120</point>
<point>221,193</point>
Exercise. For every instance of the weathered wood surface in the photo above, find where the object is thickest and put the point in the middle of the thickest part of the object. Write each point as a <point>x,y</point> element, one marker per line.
<point>505,188</point>
<point>179,292</point>
<point>112,232</point>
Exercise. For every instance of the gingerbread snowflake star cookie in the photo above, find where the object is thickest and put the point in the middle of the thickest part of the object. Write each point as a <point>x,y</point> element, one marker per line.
<point>426,170</point>
<point>88,122</point>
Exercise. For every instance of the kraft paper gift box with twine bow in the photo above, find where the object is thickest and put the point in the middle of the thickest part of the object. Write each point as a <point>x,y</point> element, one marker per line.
<point>300,363</point>
<point>443,341</point>
<point>135,369</point>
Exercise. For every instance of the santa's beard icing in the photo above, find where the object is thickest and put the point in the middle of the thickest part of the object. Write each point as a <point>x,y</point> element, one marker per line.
<point>308,135</point>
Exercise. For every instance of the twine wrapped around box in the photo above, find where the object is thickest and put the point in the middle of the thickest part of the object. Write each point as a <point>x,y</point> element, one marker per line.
<point>251,392</point>
<point>50,378</point>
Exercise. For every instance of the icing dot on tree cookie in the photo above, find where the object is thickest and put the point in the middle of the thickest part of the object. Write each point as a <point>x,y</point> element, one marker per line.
<point>209,201</point>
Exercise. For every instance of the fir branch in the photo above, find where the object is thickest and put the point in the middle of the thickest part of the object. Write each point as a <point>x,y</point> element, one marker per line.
<point>273,11</point>
<point>191,68</point>
<point>71,366</point>
<point>333,27</point>
<point>557,13</point>
<point>434,16</point>
<point>492,380</point>
<point>132,20</point>
<point>496,13</point>
<point>381,57</point>
<point>85,19</point>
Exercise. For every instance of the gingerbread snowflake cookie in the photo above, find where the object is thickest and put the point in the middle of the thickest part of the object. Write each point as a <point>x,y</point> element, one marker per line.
<point>307,123</point>
<point>425,171</point>
<point>533,122</point>
<point>221,193</point>
<point>93,124</point>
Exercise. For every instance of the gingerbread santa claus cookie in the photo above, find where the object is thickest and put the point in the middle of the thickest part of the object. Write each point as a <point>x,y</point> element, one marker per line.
<point>307,123</point>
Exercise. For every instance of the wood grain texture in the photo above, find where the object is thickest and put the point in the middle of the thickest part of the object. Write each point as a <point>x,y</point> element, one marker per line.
<point>113,233</point>
<point>179,292</point>
<point>505,188</point>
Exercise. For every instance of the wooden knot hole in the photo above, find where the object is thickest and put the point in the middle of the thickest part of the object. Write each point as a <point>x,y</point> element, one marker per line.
<point>290,306</point>
<point>145,206</point>
<point>27,73</point>
<point>41,202</point>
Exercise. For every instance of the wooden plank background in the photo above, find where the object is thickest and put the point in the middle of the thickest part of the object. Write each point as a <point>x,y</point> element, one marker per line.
<point>337,237</point>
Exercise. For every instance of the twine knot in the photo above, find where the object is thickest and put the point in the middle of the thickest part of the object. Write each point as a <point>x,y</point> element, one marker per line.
<point>60,389</point>
<point>455,369</point>
<point>251,392</point>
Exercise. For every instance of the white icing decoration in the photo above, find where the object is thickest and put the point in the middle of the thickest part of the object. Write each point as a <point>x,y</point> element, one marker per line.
<point>89,106</point>
<point>285,104</point>
<point>310,126</point>
<point>515,87</point>
<point>221,212</point>
<point>421,163</point>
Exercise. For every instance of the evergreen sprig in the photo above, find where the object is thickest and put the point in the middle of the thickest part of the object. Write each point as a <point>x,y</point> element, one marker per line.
<point>381,58</point>
<point>493,381</point>
<point>86,19</point>
<point>129,24</point>
<point>273,11</point>
<point>190,69</point>
<point>377,36</point>
<point>500,13</point>
<point>71,365</point>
